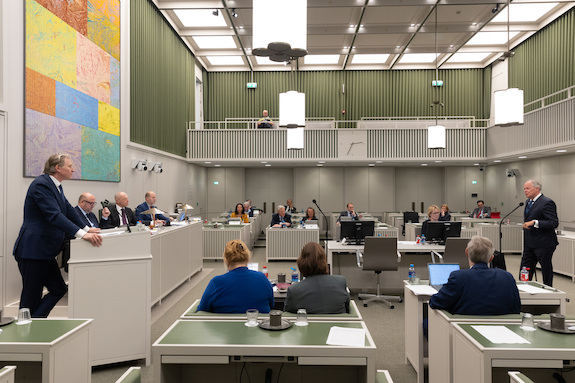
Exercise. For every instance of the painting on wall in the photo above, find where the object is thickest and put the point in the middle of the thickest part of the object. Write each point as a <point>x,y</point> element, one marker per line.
<point>73,86</point>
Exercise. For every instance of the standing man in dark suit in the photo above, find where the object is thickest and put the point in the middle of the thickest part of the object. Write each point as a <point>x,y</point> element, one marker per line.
<point>48,219</point>
<point>149,203</point>
<point>120,213</point>
<point>86,203</point>
<point>539,237</point>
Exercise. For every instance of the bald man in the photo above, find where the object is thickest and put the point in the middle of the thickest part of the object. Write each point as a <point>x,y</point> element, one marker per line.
<point>150,202</point>
<point>86,203</point>
<point>120,213</point>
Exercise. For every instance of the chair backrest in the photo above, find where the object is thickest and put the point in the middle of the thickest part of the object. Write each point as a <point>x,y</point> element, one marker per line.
<point>455,251</point>
<point>419,261</point>
<point>412,216</point>
<point>496,214</point>
<point>380,254</point>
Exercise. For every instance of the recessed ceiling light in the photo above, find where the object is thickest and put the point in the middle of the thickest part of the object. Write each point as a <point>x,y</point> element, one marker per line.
<point>217,166</point>
<point>378,162</point>
<point>496,160</point>
<point>321,162</point>
<point>241,27</point>
<point>522,157</point>
<point>414,58</point>
<point>398,46</point>
<point>319,165</point>
<point>214,42</point>
<point>438,161</point>
<point>412,25</point>
<point>371,165</point>
<point>524,12</point>
<point>207,162</point>
<point>264,162</point>
<point>561,150</point>
<point>474,24</point>
<point>370,59</point>
<point>321,59</point>
<point>475,164</point>
<point>423,164</point>
<point>225,60</point>
<point>268,164</point>
<point>200,18</point>
<point>351,26</point>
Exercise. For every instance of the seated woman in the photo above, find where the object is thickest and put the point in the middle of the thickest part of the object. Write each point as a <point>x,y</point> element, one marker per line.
<point>444,213</point>
<point>309,214</point>
<point>239,213</point>
<point>239,289</point>
<point>319,292</point>
<point>432,215</point>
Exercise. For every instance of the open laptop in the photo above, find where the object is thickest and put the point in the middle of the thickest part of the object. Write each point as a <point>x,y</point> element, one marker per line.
<point>235,221</point>
<point>181,217</point>
<point>439,273</point>
<point>311,224</point>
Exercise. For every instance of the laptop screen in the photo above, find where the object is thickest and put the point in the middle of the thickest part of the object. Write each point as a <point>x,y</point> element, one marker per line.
<point>439,272</point>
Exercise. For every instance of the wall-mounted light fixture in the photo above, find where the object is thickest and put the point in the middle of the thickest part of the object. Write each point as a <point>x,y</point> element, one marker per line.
<point>140,165</point>
<point>158,167</point>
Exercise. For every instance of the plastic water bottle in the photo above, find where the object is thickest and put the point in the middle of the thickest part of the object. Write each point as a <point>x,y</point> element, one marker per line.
<point>294,275</point>
<point>418,240</point>
<point>525,274</point>
<point>423,239</point>
<point>411,274</point>
<point>265,271</point>
<point>139,226</point>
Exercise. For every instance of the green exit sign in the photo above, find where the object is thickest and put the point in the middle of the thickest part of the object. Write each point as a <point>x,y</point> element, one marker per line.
<point>473,182</point>
<point>252,85</point>
<point>437,83</point>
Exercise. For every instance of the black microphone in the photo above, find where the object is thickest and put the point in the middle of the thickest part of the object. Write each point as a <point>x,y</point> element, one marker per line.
<point>521,204</point>
<point>503,219</point>
<point>314,201</point>
<point>324,216</point>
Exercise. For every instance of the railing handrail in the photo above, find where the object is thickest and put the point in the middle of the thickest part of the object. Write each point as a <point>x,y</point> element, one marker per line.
<point>570,94</point>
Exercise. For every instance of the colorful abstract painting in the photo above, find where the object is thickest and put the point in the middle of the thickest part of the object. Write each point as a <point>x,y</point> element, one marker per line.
<point>73,86</point>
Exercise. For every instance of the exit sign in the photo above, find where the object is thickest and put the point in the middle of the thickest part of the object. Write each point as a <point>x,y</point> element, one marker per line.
<point>252,85</point>
<point>437,83</point>
<point>473,182</point>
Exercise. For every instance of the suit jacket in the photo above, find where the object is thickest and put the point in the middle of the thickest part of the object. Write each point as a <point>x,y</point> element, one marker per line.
<point>48,220</point>
<point>478,291</point>
<point>446,217</point>
<point>91,217</point>
<point>345,214</point>
<point>486,212</point>
<point>318,294</point>
<point>147,218</point>
<point>545,211</point>
<point>114,220</point>
<point>276,219</point>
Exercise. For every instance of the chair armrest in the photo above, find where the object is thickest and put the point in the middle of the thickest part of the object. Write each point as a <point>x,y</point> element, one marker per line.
<point>398,256</point>
<point>435,253</point>
<point>359,257</point>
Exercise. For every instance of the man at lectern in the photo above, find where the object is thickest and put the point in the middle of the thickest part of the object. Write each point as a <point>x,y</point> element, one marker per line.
<point>48,219</point>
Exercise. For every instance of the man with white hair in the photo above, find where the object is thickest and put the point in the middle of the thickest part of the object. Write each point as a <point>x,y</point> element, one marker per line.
<point>478,290</point>
<point>281,219</point>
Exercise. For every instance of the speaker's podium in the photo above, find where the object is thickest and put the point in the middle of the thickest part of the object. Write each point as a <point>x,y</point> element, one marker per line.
<point>112,284</point>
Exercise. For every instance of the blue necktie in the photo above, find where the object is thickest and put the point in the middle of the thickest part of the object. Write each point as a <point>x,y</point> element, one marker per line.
<point>529,204</point>
<point>62,193</point>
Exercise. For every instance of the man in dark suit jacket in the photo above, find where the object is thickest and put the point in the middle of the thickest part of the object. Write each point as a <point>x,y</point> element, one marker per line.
<point>150,202</point>
<point>281,219</point>
<point>48,219</point>
<point>120,213</point>
<point>539,237</point>
<point>86,203</point>
<point>481,211</point>
<point>350,212</point>
<point>478,290</point>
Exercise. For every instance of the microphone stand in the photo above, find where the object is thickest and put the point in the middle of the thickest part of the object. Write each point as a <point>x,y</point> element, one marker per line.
<point>501,222</point>
<point>326,223</point>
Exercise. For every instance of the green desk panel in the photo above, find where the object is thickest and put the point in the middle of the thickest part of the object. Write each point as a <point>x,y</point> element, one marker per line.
<point>39,331</point>
<point>236,333</point>
<point>539,338</point>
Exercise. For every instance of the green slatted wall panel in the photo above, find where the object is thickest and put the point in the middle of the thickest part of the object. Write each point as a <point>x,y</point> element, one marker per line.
<point>545,63</point>
<point>162,81</point>
<point>397,93</point>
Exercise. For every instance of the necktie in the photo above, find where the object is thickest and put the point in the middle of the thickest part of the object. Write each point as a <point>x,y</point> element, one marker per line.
<point>529,204</point>
<point>62,192</point>
<point>124,221</point>
<point>89,221</point>
<point>479,213</point>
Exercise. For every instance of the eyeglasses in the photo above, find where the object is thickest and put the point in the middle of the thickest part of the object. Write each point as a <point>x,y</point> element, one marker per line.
<point>91,203</point>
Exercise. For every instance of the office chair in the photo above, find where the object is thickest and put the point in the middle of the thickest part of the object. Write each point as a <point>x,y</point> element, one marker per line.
<point>379,254</point>
<point>455,252</point>
<point>409,216</point>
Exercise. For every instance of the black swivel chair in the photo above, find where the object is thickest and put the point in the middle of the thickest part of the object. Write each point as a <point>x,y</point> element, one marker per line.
<point>409,216</point>
<point>455,252</point>
<point>379,254</point>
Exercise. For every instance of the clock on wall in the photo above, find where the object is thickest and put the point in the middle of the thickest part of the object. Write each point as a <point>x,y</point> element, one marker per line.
<point>352,144</point>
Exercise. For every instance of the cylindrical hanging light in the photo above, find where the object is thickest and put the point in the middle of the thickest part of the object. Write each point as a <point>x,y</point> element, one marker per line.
<point>279,29</point>
<point>436,137</point>
<point>292,109</point>
<point>295,138</point>
<point>508,107</point>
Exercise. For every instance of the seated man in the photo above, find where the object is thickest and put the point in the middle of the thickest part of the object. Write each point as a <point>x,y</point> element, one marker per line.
<point>481,211</point>
<point>120,213</point>
<point>265,122</point>
<point>290,208</point>
<point>281,219</point>
<point>86,203</point>
<point>248,209</point>
<point>350,212</point>
<point>149,203</point>
<point>478,290</point>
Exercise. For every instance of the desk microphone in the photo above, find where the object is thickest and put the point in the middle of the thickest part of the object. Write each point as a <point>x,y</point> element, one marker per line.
<point>501,222</point>
<point>326,222</point>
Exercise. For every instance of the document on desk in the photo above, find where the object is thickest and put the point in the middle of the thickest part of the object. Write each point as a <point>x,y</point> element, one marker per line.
<point>533,289</point>
<point>344,336</point>
<point>499,335</point>
<point>422,289</point>
<point>112,233</point>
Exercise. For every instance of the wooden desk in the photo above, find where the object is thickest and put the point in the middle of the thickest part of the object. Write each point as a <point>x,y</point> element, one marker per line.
<point>192,313</point>
<point>48,350</point>
<point>220,349</point>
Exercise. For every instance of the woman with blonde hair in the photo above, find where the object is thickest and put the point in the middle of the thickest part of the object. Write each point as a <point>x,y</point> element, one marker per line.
<point>239,289</point>
<point>432,216</point>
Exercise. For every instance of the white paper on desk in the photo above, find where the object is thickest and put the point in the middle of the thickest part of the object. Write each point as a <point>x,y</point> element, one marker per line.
<point>178,223</point>
<point>532,289</point>
<point>422,289</point>
<point>499,335</point>
<point>111,233</point>
<point>344,336</point>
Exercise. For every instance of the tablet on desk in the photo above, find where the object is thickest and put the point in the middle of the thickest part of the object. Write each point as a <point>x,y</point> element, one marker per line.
<point>439,273</point>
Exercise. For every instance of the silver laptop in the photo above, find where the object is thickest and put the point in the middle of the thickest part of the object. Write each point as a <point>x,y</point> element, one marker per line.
<point>439,273</point>
<point>311,224</point>
<point>345,218</point>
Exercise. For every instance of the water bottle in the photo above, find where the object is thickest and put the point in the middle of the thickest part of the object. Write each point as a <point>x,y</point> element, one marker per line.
<point>418,240</point>
<point>265,271</point>
<point>139,226</point>
<point>508,222</point>
<point>294,275</point>
<point>411,274</point>
<point>423,239</point>
<point>525,274</point>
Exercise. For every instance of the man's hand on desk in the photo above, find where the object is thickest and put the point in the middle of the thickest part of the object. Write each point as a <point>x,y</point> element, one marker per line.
<point>94,238</point>
<point>105,212</point>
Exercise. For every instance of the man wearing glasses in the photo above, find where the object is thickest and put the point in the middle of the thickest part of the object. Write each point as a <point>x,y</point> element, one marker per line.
<point>86,203</point>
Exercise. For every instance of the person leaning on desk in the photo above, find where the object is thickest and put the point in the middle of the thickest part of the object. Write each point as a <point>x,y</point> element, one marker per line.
<point>281,219</point>
<point>432,216</point>
<point>444,213</point>
<point>319,292</point>
<point>239,213</point>
<point>239,289</point>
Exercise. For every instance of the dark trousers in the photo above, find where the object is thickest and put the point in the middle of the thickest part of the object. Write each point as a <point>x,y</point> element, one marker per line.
<point>36,275</point>
<point>542,255</point>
